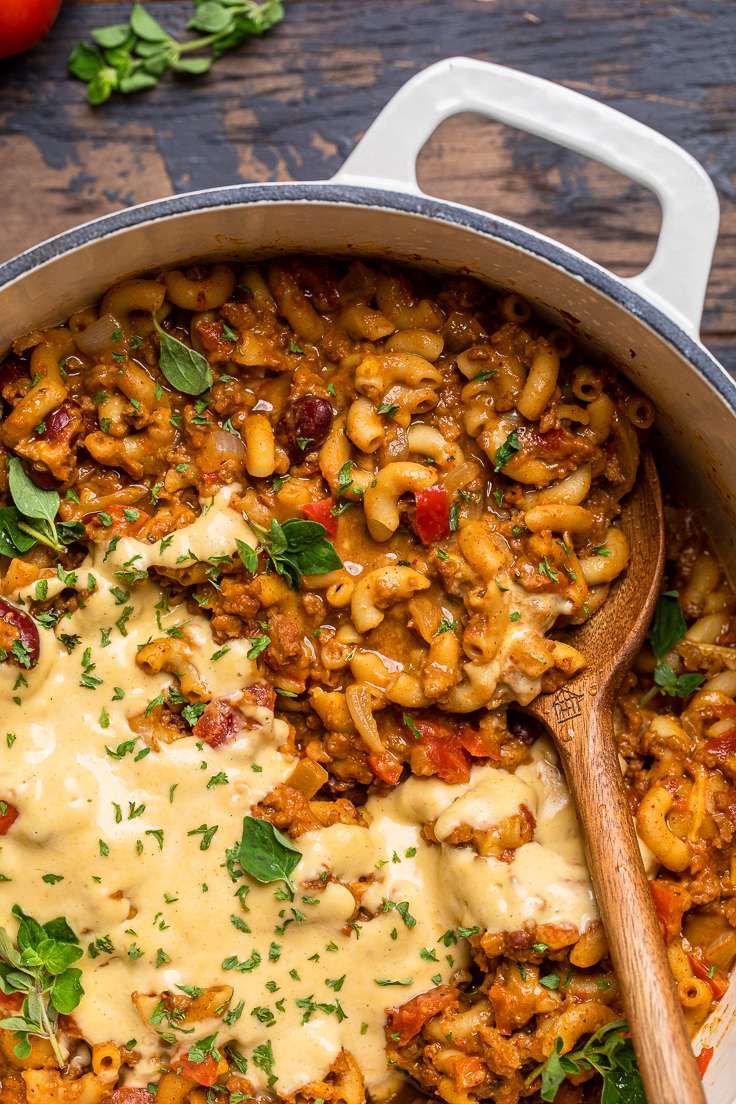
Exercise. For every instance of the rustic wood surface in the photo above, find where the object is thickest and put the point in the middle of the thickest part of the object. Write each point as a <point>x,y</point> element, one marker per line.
<point>290,106</point>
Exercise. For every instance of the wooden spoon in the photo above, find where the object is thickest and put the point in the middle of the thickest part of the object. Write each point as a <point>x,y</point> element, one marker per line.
<point>580,718</point>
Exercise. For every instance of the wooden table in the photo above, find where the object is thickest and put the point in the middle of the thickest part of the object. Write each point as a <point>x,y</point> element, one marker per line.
<point>291,105</point>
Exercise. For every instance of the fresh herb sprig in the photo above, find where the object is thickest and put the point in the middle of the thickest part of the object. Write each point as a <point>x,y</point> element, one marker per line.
<point>669,629</point>
<point>609,1053</point>
<point>296,548</point>
<point>39,965</point>
<point>133,56</point>
<point>32,518</point>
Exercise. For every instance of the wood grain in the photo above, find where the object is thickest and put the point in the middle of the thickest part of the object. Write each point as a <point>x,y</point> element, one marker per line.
<point>291,105</point>
<point>580,717</point>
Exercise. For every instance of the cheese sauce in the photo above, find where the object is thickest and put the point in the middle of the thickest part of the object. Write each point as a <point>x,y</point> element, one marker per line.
<point>129,843</point>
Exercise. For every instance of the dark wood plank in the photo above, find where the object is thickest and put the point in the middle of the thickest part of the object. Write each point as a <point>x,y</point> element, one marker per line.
<point>291,106</point>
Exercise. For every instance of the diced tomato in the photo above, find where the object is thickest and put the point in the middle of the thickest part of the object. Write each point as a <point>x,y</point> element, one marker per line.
<point>212,338</point>
<point>260,694</point>
<point>322,512</point>
<point>702,1060</point>
<point>432,521</point>
<point>477,744</point>
<point>670,902</point>
<point>722,747</point>
<point>386,767</point>
<point>408,1020</point>
<point>204,1072</point>
<point>219,724</point>
<point>8,816</point>
<point>716,981</point>
<point>440,752</point>
<point>450,760</point>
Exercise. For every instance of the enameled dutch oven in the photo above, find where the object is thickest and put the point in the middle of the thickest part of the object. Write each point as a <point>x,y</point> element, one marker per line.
<point>648,325</point>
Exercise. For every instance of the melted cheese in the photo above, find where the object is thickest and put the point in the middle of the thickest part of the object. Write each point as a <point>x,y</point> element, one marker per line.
<point>547,880</point>
<point>138,843</point>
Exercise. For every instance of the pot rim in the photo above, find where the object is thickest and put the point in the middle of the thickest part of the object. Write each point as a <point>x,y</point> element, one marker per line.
<point>403,202</point>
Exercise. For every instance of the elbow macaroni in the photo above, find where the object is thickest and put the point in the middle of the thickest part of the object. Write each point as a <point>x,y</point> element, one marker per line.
<point>467,464</point>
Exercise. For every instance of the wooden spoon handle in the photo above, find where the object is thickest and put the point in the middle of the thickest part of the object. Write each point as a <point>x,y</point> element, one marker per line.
<point>588,751</point>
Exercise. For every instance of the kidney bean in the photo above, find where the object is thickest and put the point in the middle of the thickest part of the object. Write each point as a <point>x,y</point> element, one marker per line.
<point>308,421</point>
<point>27,629</point>
<point>12,369</point>
<point>63,423</point>
<point>524,728</point>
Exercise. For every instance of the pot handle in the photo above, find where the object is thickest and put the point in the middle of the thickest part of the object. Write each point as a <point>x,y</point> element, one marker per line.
<point>676,278</point>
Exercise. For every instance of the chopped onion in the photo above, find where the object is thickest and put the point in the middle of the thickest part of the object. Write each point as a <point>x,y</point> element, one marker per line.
<point>227,444</point>
<point>97,339</point>
<point>358,700</point>
<point>220,447</point>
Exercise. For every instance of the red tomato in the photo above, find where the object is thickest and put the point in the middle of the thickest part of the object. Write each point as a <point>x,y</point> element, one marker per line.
<point>8,817</point>
<point>386,767</point>
<point>24,22</point>
<point>478,745</point>
<point>670,902</point>
<point>722,747</point>
<point>440,752</point>
<point>432,521</point>
<point>408,1021</point>
<point>204,1072</point>
<point>716,982</point>
<point>320,511</point>
<point>702,1060</point>
<point>259,693</point>
<point>220,723</point>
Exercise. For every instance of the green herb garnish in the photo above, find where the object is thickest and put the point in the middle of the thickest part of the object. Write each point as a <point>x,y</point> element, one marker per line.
<point>298,548</point>
<point>133,56</point>
<point>185,369</point>
<point>265,853</point>
<point>34,515</point>
<point>608,1053</point>
<point>511,445</point>
<point>39,965</point>
<point>669,629</point>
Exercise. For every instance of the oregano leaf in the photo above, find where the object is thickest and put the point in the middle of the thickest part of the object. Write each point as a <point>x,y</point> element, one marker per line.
<point>266,854</point>
<point>145,26</point>
<point>30,500</point>
<point>185,369</point>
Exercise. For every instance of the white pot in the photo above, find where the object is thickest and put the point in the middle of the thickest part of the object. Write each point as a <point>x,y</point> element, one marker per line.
<point>649,324</point>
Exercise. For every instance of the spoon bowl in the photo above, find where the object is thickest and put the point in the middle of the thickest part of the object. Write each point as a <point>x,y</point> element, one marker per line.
<point>579,717</point>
